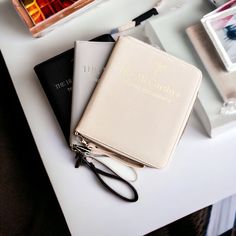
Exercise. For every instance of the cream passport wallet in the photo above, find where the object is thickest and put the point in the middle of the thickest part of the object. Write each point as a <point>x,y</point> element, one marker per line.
<point>140,105</point>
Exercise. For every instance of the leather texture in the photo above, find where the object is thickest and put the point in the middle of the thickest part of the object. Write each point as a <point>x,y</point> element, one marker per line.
<point>55,76</point>
<point>141,103</point>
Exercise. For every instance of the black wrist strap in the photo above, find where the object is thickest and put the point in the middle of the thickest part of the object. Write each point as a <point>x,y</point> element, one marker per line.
<point>99,173</point>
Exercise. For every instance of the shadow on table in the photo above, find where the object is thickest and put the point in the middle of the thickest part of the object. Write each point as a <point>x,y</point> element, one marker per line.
<point>191,225</point>
<point>27,201</point>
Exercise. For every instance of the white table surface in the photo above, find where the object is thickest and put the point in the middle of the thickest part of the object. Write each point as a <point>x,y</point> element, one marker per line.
<point>202,171</point>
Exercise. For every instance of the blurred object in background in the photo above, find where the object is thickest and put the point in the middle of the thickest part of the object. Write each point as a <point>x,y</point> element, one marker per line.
<point>218,3</point>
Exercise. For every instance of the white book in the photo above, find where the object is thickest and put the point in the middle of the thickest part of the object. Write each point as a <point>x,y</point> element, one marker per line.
<point>89,61</point>
<point>173,38</point>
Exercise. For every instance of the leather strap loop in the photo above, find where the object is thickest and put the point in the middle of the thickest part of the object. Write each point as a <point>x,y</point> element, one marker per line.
<point>98,173</point>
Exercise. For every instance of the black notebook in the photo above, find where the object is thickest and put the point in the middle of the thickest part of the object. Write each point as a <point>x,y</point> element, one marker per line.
<point>55,76</point>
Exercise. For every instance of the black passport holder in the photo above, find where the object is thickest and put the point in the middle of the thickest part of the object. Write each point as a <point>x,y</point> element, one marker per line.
<point>55,76</point>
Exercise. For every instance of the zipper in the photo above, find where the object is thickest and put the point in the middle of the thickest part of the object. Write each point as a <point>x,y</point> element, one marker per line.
<point>119,166</point>
<point>82,146</point>
<point>90,146</point>
<point>96,150</point>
